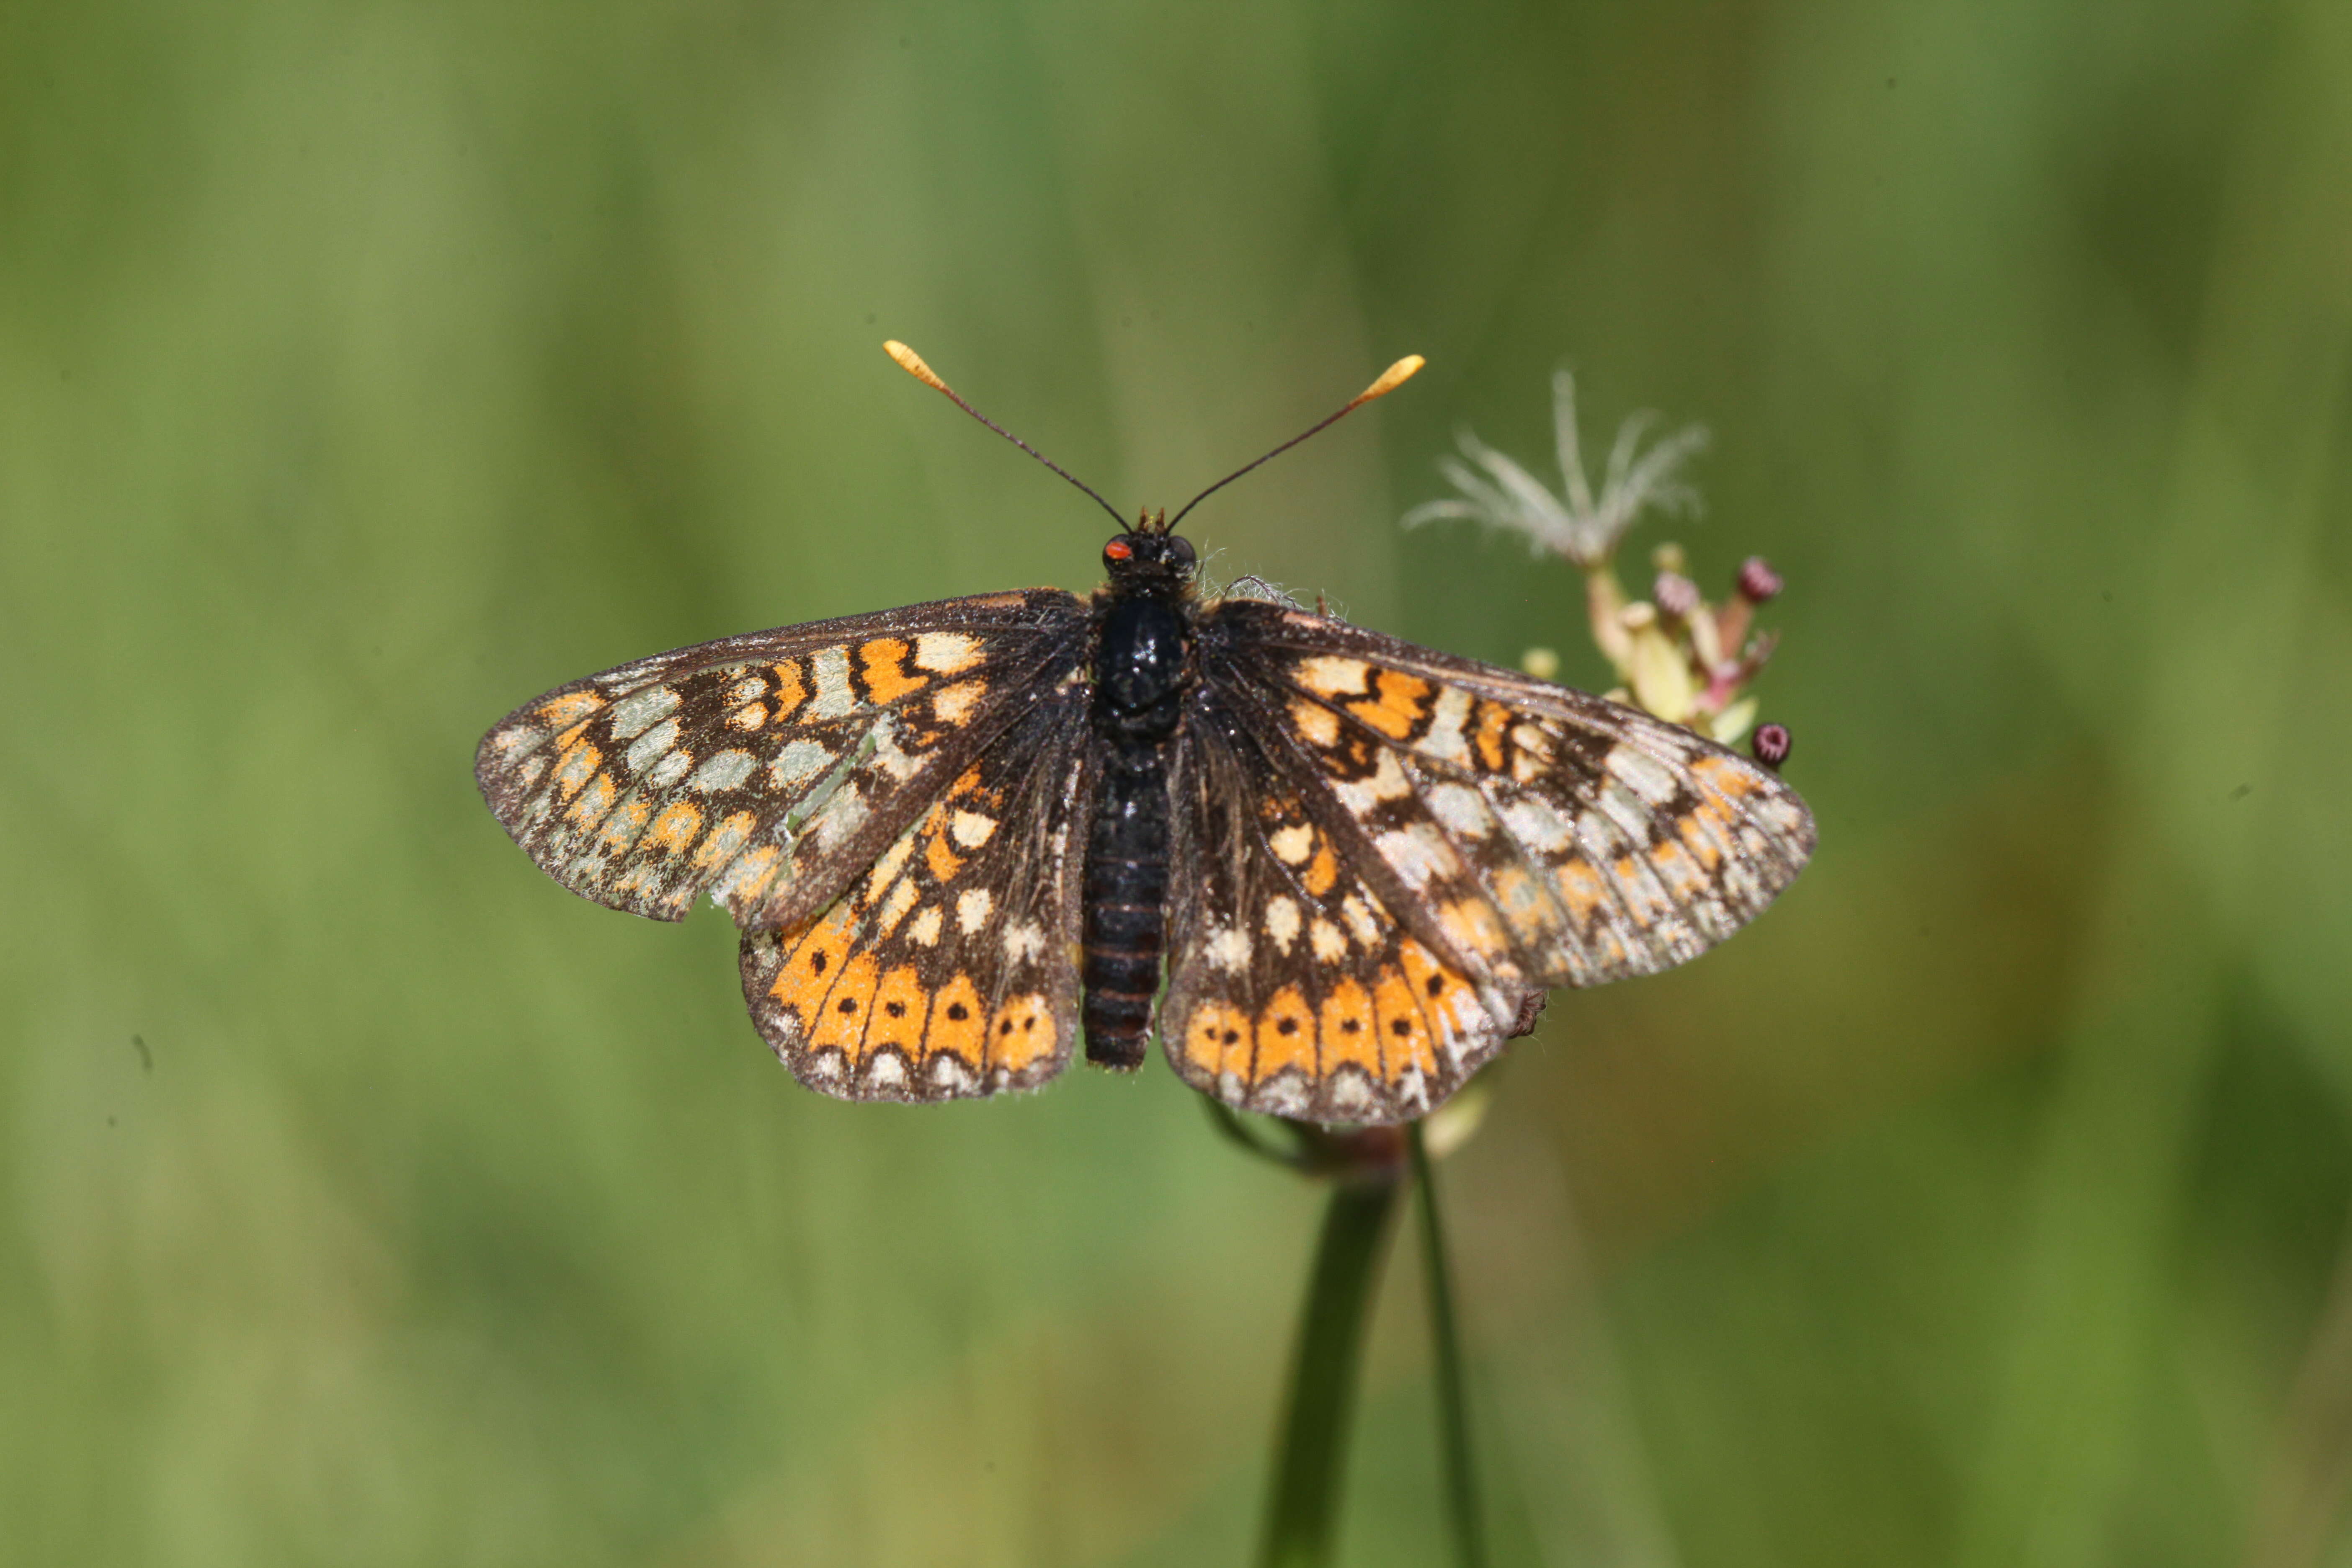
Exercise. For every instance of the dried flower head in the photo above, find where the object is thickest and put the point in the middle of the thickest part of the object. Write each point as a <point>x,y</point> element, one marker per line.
<point>1686,660</point>
<point>1575,522</point>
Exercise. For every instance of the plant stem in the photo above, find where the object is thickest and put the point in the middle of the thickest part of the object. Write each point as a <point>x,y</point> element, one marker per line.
<point>1303,1512</point>
<point>1452,1399</point>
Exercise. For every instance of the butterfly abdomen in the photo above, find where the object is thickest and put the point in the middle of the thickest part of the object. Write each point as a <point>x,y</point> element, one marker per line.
<point>1139,672</point>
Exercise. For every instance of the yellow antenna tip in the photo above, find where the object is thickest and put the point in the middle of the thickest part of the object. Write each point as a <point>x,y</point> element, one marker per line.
<point>912,363</point>
<point>1396,376</point>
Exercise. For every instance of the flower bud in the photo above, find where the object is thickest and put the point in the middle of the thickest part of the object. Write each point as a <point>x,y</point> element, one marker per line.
<point>1677,596</point>
<point>1541,662</point>
<point>1759,584</point>
<point>1771,745</point>
<point>1669,557</point>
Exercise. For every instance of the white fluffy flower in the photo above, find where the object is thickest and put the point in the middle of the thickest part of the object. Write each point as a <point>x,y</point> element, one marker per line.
<point>1572,524</point>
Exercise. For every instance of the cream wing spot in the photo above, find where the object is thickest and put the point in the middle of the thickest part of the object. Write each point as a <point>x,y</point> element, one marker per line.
<point>1646,776</point>
<point>955,705</point>
<point>651,745</point>
<point>1282,922</point>
<point>670,769</point>
<point>833,697</point>
<point>1461,809</point>
<point>632,713</point>
<point>721,770</point>
<point>1293,844</point>
<point>1023,941</point>
<point>946,653</point>
<point>1329,945</point>
<point>973,907</point>
<point>925,927</point>
<point>798,761</point>
<point>970,829</point>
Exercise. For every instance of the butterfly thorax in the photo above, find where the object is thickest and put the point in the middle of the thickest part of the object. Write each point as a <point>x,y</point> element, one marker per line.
<point>1142,668</point>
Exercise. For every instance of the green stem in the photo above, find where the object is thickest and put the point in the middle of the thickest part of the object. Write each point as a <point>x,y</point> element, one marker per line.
<point>1303,1512</point>
<point>1452,1398</point>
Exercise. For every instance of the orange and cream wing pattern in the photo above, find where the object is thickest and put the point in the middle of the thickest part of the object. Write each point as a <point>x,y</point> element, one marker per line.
<point>948,968</point>
<point>1293,989</point>
<point>1528,835</point>
<point>767,770</point>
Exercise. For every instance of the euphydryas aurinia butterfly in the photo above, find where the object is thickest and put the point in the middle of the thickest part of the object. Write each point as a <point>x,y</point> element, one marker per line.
<point>961,836</point>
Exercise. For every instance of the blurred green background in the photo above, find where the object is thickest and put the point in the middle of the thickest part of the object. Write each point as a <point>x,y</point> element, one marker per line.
<point>367,368</point>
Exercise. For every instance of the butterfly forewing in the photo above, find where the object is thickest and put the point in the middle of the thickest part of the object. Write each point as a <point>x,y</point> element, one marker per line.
<point>768,769</point>
<point>1534,835</point>
<point>948,968</point>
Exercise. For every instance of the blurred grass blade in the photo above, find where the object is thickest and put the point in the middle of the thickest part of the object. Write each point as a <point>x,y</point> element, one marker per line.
<point>1453,1394</point>
<point>1302,1513</point>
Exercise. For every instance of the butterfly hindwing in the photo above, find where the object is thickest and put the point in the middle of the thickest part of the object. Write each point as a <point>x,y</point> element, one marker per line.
<point>1534,835</point>
<point>949,968</point>
<point>1293,989</point>
<point>767,768</point>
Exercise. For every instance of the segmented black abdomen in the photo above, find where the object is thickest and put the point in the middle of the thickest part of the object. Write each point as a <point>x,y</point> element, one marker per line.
<point>1139,670</point>
<point>1126,884</point>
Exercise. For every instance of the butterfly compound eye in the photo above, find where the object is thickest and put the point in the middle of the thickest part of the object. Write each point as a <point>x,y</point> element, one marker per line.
<point>1179,549</point>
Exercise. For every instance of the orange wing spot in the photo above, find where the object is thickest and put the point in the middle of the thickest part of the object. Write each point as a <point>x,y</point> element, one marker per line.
<point>623,826</point>
<point>884,660</point>
<point>751,716</point>
<point>959,1023</point>
<point>730,835</point>
<point>944,862</point>
<point>1707,829</point>
<point>1322,875</point>
<point>568,710</point>
<point>901,1007</point>
<point>1676,869</point>
<point>967,781</point>
<point>594,801</point>
<point>807,976</point>
<point>1021,1032</point>
<point>1285,1036</point>
<point>1534,917</point>
<point>675,828</point>
<point>1405,1040</point>
<point>1402,706</point>
<point>790,689</point>
<point>841,1022</point>
<point>1471,924</point>
<point>1494,723</point>
<point>579,765</point>
<point>1438,990</point>
<point>1218,1038</point>
<point>1581,886</point>
<point>1350,1032</point>
<point>1727,777</point>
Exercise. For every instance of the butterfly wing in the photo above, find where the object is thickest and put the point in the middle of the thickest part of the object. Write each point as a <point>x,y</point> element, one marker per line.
<point>949,969</point>
<point>1513,834</point>
<point>768,769</point>
<point>1293,989</point>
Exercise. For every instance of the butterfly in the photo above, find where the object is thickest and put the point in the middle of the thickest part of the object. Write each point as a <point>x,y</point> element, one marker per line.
<point>1331,870</point>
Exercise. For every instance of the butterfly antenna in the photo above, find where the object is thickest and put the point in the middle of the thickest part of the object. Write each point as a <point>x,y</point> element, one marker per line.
<point>912,363</point>
<point>1396,376</point>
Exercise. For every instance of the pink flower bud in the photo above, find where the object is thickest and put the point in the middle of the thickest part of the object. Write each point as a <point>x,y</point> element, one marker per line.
<point>1677,596</point>
<point>1771,743</point>
<point>1759,584</point>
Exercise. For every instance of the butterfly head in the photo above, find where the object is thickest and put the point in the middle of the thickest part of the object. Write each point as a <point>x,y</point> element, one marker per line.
<point>1149,557</point>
